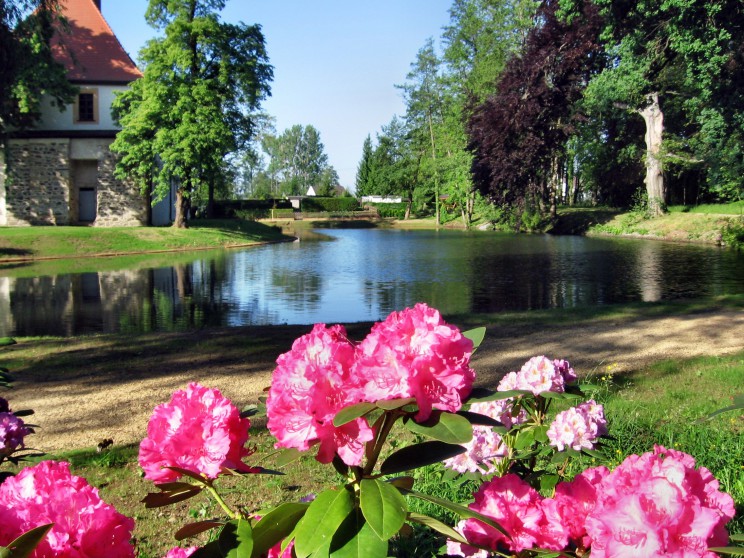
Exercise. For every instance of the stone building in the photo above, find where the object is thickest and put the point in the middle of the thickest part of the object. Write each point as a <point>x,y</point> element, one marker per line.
<point>61,171</point>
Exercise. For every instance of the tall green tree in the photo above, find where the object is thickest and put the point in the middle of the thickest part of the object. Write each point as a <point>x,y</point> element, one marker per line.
<point>670,63</point>
<point>362,183</point>
<point>27,66</point>
<point>297,161</point>
<point>203,82</point>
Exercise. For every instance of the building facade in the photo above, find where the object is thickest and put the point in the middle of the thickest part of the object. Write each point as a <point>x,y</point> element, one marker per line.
<point>61,172</point>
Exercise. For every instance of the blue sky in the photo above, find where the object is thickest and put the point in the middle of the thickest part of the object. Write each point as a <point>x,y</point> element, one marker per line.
<point>336,62</point>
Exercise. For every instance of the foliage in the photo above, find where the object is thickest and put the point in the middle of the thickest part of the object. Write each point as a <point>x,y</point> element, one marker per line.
<point>732,234</point>
<point>315,203</point>
<point>203,81</point>
<point>390,210</point>
<point>519,135</point>
<point>27,64</point>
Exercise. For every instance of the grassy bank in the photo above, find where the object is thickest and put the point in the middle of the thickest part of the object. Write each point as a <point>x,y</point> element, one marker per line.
<point>23,243</point>
<point>661,404</point>
<point>712,224</point>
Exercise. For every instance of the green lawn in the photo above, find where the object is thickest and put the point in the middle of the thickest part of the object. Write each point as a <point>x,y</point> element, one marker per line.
<point>18,243</point>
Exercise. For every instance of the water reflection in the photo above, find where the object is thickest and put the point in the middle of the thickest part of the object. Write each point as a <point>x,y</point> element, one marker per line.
<point>362,275</point>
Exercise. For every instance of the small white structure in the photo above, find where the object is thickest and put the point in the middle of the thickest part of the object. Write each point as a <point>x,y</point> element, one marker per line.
<point>382,199</point>
<point>311,192</point>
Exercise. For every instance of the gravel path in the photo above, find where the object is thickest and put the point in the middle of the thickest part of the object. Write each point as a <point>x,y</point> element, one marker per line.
<point>114,390</point>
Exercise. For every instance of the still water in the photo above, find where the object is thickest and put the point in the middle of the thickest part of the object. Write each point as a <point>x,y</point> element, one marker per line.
<point>348,275</point>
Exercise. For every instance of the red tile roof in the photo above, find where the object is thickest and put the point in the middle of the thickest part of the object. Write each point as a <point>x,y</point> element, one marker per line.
<point>89,49</point>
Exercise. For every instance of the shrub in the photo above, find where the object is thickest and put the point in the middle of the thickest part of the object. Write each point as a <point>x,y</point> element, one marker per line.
<point>329,204</point>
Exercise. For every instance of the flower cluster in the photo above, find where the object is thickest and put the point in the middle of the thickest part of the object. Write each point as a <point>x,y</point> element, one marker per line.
<point>538,375</point>
<point>578,427</point>
<point>413,353</point>
<point>84,525</point>
<point>653,505</point>
<point>12,432</point>
<point>198,430</point>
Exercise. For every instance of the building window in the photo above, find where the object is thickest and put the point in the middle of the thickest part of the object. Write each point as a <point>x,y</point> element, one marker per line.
<point>86,108</point>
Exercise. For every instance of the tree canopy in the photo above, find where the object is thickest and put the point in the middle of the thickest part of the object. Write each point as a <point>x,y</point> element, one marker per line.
<point>196,103</point>
<point>27,66</point>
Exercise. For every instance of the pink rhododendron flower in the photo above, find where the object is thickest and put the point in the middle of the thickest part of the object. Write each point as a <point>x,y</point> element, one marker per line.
<point>199,430</point>
<point>12,433</point>
<point>539,374</point>
<point>178,552</point>
<point>658,504</point>
<point>415,353</point>
<point>530,521</point>
<point>575,499</point>
<point>578,427</point>
<point>84,525</point>
<point>311,383</point>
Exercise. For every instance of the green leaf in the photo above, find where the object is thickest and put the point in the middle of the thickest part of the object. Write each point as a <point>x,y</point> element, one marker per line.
<point>392,404</point>
<point>482,420</point>
<point>236,539</point>
<point>462,511</point>
<point>197,527</point>
<point>561,395</point>
<point>5,341</point>
<point>355,538</point>
<point>419,455</point>
<point>276,526</point>
<point>548,482</point>
<point>321,520</point>
<point>171,492</point>
<point>541,434</point>
<point>738,538</point>
<point>438,526</point>
<point>525,439</point>
<point>738,404</point>
<point>442,426</point>
<point>383,507</point>
<point>287,456</point>
<point>403,482</point>
<point>480,395</point>
<point>730,550</point>
<point>210,550</point>
<point>352,412</point>
<point>24,545</point>
<point>476,335</point>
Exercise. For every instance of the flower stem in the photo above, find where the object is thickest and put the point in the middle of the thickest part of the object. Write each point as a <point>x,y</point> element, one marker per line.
<point>216,495</point>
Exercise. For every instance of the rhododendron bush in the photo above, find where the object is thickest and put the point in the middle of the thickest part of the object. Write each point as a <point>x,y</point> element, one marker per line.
<point>347,403</point>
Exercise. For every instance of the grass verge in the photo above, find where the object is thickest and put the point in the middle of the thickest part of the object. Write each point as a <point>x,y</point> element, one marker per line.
<point>23,243</point>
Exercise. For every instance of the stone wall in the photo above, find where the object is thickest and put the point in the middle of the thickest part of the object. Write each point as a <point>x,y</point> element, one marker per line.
<point>39,189</point>
<point>37,183</point>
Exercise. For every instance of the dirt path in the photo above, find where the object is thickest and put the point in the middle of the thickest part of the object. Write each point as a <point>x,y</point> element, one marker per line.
<point>113,386</point>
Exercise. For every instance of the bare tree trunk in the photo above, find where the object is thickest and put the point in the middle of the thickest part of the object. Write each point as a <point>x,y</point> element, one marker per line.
<point>655,187</point>
<point>182,210</point>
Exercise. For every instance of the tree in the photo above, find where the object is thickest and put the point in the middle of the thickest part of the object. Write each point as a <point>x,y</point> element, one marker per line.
<point>519,135</point>
<point>362,183</point>
<point>195,105</point>
<point>27,65</point>
<point>297,161</point>
<point>671,63</point>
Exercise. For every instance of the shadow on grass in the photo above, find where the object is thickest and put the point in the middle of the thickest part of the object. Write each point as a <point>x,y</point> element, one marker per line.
<point>579,221</point>
<point>15,252</point>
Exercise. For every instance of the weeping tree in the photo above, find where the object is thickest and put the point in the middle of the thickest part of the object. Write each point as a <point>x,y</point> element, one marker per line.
<point>519,135</point>
<point>203,83</point>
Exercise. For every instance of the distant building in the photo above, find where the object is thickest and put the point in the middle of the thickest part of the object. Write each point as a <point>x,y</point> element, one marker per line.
<point>382,199</point>
<point>61,171</point>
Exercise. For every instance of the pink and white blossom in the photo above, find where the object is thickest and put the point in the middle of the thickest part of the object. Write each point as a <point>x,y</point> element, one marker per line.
<point>84,525</point>
<point>538,375</point>
<point>199,430</point>
<point>578,427</point>
<point>658,504</point>
<point>180,552</point>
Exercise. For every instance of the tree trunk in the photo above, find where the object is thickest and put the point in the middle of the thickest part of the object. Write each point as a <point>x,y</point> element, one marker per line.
<point>655,187</point>
<point>182,210</point>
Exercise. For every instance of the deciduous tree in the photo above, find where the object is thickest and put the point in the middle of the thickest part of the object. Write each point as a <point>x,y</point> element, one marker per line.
<point>203,81</point>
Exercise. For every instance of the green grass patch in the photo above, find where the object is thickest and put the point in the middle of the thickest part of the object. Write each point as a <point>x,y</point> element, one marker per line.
<point>732,208</point>
<point>17,243</point>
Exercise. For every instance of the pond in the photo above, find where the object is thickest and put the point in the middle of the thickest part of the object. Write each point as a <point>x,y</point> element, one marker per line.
<point>350,275</point>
